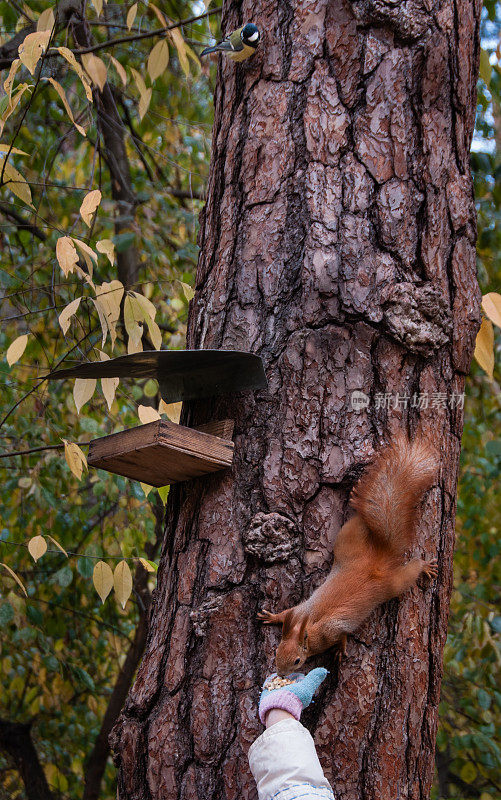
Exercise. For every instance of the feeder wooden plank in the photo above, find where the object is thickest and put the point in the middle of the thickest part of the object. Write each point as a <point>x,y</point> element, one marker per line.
<point>161,452</point>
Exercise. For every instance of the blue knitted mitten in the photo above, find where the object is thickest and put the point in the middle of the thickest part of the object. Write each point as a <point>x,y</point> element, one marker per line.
<point>294,697</point>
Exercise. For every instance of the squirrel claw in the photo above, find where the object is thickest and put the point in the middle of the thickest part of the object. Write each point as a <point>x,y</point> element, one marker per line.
<point>341,648</point>
<point>265,616</point>
<point>430,569</point>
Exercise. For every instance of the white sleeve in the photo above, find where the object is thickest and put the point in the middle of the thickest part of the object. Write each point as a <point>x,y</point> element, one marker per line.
<point>285,765</point>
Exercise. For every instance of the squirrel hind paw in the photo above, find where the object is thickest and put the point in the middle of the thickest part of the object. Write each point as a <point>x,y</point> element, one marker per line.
<point>430,569</point>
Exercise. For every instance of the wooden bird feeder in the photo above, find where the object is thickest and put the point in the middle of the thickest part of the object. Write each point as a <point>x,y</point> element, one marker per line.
<point>162,452</point>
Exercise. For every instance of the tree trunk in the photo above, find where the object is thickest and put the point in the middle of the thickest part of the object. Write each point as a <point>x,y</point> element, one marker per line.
<point>338,242</point>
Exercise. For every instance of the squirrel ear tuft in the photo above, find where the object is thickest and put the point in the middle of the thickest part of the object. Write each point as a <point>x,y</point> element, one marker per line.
<point>286,625</point>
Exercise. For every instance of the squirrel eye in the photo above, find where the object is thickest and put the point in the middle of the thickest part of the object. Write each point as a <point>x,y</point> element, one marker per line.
<point>296,662</point>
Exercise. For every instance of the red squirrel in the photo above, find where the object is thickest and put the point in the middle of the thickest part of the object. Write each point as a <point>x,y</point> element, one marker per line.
<point>369,566</point>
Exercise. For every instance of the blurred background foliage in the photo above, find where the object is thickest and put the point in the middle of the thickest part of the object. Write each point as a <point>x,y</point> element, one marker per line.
<point>65,657</point>
<point>469,738</point>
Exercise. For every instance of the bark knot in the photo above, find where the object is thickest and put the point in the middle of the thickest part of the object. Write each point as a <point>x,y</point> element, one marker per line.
<point>271,537</point>
<point>418,317</point>
<point>409,19</point>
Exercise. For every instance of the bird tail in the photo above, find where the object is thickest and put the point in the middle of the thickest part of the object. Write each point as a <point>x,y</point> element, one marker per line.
<point>217,48</point>
<point>388,492</point>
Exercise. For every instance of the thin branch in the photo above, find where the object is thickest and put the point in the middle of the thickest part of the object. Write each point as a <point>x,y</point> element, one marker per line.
<point>146,35</point>
<point>37,385</point>
<point>39,449</point>
<point>21,223</point>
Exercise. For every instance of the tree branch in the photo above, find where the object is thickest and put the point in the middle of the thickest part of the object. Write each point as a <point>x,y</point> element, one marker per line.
<point>112,129</point>
<point>16,741</point>
<point>39,449</point>
<point>96,762</point>
<point>21,223</point>
<point>146,34</point>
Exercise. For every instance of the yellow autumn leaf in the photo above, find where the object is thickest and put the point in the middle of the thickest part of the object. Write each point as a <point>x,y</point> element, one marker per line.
<point>173,410</point>
<point>158,59</point>
<point>66,254</point>
<point>66,314</point>
<point>108,385</point>
<point>108,300</point>
<point>484,347</point>
<point>120,69</point>
<point>16,349</point>
<point>75,458</point>
<point>188,291</point>
<point>13,575</point>
<point>148,311</point>
<point>88,254</point>
<point>147,565</point>
<point>131,16</point>
<point>70,58</point>
<point>14,181</point>
<point>146,489</point>
<point>163,493</point>
<point>144,93</point>
<point>106,247</point>
<point>102,578</point>
<point>158,14</point>
<point>122,582</point>
<point>155,334</point>
<point>14,101</point>
<point>102,320</point>
<point>46,20</point>
<point>83,390</point>
<point>95,69</point>
<point>147,414</point>
<point>54,541</point>
<point>89,206</point>
<point>59,89</point>
<point>32,47</point>
<point>133,315</point>
<point>491,303</point>
<point>7,84</point>
<point>98,5</point>
<point>181,48</point>
<point>146,305</point>
<point>5,148</point>
<point>37,546</point>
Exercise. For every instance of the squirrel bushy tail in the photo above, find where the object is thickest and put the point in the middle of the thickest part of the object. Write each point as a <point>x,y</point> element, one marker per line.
<point>389,490</point>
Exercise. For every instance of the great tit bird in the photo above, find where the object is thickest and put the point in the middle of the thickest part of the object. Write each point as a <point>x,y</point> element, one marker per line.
<point>239,45</point>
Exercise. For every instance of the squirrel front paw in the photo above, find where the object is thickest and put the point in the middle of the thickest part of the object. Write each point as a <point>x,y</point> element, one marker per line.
<point>430,568</point>
<point>266,617</point>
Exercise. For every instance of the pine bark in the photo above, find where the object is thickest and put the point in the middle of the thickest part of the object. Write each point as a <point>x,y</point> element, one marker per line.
<point>338,242</point>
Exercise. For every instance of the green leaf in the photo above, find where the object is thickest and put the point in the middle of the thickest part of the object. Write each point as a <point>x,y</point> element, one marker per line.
<point>164,493</point>
<point>468,772</point>
<point>484,700</point>
<point>485,67</point>
<point>123,241</point>
<point>84,677</point>
<point>34,615</point>
<point>85,567</point>
<point>6,613</point>
<point>63,576</point>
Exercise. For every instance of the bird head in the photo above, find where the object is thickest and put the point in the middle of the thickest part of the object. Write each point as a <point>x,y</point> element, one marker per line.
<point>250,35</point>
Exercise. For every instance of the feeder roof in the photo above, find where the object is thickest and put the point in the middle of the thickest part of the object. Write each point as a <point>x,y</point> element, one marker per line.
<point>181,374</point>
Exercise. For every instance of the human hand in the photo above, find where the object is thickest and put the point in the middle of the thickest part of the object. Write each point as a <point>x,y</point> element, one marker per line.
<point>293,697</point>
